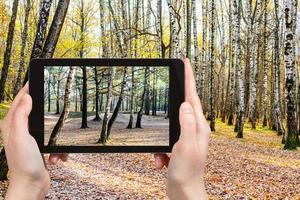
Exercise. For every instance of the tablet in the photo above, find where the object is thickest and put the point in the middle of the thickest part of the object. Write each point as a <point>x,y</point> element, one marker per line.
<point>105,105</point>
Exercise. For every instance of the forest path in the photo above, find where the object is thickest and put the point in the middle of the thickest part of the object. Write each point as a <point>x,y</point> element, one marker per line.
<point>255,167</point>
<point>154,131</point>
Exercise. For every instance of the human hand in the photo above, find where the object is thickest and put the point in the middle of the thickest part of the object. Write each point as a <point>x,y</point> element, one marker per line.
<point>28,177</point>
<point>186,164</point>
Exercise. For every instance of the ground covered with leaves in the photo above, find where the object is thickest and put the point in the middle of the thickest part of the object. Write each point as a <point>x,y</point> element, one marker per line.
<point>255,167</point>
<point>154,132</point>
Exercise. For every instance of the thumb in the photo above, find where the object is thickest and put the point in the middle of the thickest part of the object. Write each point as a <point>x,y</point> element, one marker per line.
<point>187,122</point>
<point>21,113</point>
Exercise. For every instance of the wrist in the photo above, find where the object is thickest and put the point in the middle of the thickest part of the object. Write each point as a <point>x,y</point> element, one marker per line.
<point>188,192</point>
<point>27,189</point>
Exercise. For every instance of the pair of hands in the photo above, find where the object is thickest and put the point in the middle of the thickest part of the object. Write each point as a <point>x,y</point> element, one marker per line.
<point>186,165</point>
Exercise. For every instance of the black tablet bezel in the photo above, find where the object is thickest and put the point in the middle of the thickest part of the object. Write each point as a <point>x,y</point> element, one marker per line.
<point>36,90</point>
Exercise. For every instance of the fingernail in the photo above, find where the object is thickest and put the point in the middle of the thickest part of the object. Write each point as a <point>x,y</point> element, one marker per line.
<point>186,108</point>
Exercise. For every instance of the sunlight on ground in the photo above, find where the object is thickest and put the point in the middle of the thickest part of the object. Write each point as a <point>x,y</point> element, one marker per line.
<point>274,160</point>
<point>260,137</point>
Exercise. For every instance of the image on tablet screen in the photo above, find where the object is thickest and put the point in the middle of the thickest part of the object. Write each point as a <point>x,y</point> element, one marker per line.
<point>104,105</point>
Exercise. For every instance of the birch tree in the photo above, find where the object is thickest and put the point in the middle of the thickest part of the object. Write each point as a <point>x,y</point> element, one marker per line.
<point>254,69</point>
<point>66,109</point>
<point>195,37</point>
<point>292,136</point>
<point>203,61</point>
<point>276,111</point>
<point>40,34</point>
<point>265,67</point>
<point>212,66</point>
<point>241,107</point>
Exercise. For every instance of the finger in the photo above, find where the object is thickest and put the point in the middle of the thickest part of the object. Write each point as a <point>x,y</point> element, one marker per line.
<point>24,90</point>
<point>161,160</point>
<point>21,113</point>
<point>54,158</point>
<point>191,95</point>
<point>188,124</point>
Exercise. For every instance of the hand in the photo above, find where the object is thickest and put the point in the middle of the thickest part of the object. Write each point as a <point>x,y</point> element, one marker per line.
<point>28,177</point>
<point>187,161</point>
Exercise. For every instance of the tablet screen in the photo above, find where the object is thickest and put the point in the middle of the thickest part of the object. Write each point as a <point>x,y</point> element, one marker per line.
<point>106,105</point>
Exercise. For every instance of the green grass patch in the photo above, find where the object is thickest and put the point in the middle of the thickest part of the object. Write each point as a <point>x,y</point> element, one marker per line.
<point>73,114</point>
<point>3,109</point>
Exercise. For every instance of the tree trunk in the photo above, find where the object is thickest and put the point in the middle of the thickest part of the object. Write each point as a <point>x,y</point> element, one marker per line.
<point>55,28</point>
<point>265,68</point>
<point>24,36</point>
<point>104,136</point>
<point>292,136</point>
<point>188,28</point>
<point>40,34</point>
<point>212,68</point>
<point>254,70</point>
<point>97,117</point>
<point>7,53</point>
<point>3,165</point>
<point>130,123</point>
<point>57,96</point>
<point>64,115</point>
<point>232,65</point>
<point>143,99</point>
<point>84,98</point>
<point>277,115</point>
<point>240,84</point>
<point>176,52</point>
<point>204,31</point>
<point>49,92</point>
<point>117,108</point>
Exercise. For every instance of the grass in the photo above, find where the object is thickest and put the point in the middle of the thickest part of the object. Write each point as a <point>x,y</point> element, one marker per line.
<point>3,109</point>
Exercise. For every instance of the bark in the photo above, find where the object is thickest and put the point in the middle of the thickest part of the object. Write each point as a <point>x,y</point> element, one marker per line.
<point>49,91</point>
<point>240,97</point>
<point>84,98</point>
<point>265,68</point>
<point>276,114</point>
<point>104,136</point>
<point>212,68</point>
<point>254,70</point>
<point>40,34</point>
<point>55,29</point>
<point>7,52</point>
<point>65,112</point>
<point>204,32</point>
<point>175,53</point>
<point>195,37</point>
<point>3,165</point>
<point>124,53</point>
<point>231,62</point>
<point>249,57</point>
<point>24,36</point>
<point>57,96</point>
<point>119,102</point>
<point>143,100</point>
<point>292,136</point>
<point>130,123</point>
<point>188,28</point>
<point>97,117</point>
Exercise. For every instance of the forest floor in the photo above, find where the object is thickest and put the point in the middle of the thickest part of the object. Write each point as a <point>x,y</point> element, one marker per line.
<point>155,131</point>
<point>255,167</point>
